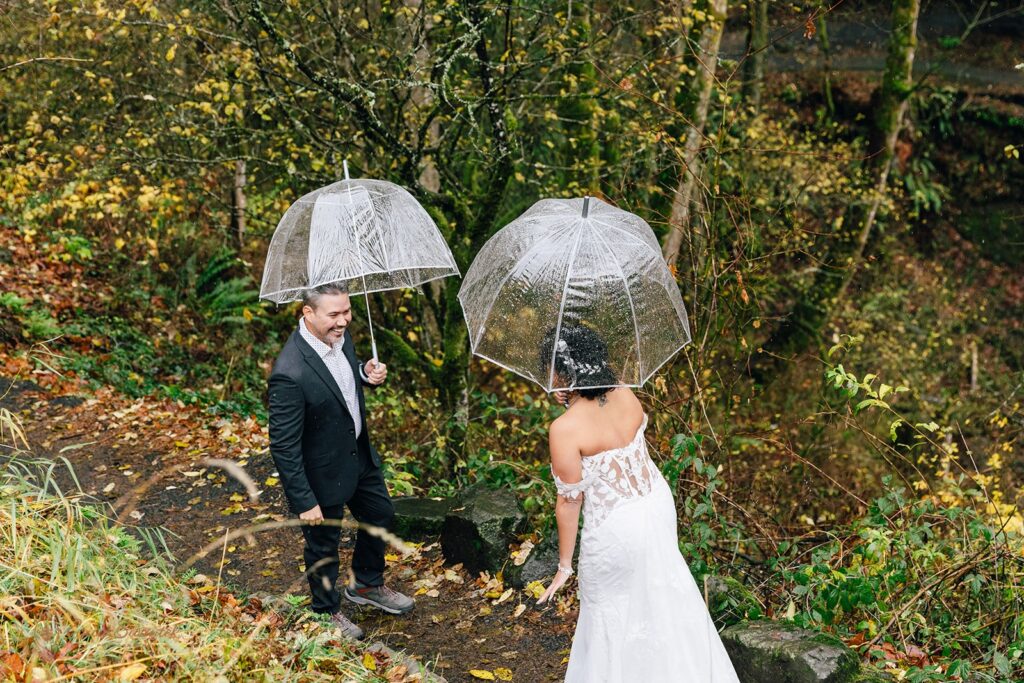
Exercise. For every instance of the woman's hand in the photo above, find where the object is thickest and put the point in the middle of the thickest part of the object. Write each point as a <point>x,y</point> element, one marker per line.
<point>557,582</point>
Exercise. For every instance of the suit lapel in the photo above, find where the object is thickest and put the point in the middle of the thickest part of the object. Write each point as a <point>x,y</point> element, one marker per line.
<point>317,363</point>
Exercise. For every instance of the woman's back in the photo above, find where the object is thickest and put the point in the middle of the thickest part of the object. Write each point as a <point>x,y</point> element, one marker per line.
<point>595,426</point>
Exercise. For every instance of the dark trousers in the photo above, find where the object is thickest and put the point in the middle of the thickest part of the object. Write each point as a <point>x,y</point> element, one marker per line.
<point>370,504</point>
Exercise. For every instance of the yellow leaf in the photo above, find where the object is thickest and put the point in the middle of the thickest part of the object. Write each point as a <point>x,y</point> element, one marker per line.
<point>131,672</point>
<point>271,481</point>
<point>503,674</point>
<point>535,588</point>
<point>482,674</point>
<point>119,243</point>
<point>363,23</point>
<point>170,53</point>
<point>369,662</point>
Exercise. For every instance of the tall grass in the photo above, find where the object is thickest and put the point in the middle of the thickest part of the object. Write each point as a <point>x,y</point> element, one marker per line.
<point>83,598</point>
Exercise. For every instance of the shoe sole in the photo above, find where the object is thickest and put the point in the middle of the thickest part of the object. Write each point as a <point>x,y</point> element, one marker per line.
<point>360,600</point>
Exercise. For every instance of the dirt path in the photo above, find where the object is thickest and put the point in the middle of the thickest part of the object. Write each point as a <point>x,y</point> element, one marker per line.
<point>144,458</point>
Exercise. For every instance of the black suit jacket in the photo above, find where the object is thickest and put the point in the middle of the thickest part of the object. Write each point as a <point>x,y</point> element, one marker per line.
<point>312,434</point>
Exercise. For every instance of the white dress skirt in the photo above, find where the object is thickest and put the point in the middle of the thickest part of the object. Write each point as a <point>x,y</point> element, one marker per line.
<point>642,616</point>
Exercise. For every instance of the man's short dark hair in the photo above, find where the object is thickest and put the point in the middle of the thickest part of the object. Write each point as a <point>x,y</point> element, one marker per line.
<point>310,297</point>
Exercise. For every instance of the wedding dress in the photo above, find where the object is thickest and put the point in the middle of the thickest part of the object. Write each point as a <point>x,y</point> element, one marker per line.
<point>642,617</point>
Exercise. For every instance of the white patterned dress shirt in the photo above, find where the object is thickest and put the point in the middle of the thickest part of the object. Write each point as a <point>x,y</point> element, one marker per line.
<point>337,363</point>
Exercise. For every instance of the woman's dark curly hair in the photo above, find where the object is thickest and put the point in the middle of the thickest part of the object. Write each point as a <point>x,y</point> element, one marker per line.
<point>581,360</point>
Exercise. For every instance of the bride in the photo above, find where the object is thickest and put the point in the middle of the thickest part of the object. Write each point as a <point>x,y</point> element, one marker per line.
<point>641,617</point>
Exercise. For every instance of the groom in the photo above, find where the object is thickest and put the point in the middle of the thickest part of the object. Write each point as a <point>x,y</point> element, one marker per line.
<point>320,444</point>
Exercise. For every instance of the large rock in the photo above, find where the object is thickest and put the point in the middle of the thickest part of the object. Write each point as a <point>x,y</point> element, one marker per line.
<point>540,565</point>
<point>479,528</point>
<point>775,652</point>
<point>419,518</point>
<point>729,601</point>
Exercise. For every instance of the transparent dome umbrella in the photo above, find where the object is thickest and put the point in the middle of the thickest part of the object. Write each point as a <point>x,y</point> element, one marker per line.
<point>571,263</point>
<point>368,235</point>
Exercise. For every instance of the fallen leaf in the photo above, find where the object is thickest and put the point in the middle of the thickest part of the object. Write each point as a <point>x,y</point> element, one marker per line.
<point>503,674</point>
<point>482,674</point>
<point>132,671</point>
<point>504,596</point>
<point>369,662</point>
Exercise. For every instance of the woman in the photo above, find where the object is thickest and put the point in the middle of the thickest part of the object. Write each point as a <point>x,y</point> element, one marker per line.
<point>642,617</point>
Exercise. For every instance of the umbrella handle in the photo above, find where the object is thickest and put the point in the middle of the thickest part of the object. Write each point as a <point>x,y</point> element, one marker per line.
<point>369,322</point>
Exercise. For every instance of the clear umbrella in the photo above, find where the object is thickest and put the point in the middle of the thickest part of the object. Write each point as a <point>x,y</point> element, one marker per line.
<point>368,235</point>
<point>572,267</point>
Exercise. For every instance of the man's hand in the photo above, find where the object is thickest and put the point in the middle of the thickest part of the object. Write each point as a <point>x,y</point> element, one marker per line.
<point>376,372</point>
<point>313,516</point>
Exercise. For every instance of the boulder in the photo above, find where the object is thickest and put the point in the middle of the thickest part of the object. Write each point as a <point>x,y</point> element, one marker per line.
<point>540,565</point>
<point>729,601</point>
<point>419,518</point>
<point>777,652</point>
<point>479,528</point>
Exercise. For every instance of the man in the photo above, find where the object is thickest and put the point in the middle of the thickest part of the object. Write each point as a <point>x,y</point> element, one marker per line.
<point>320,444</point>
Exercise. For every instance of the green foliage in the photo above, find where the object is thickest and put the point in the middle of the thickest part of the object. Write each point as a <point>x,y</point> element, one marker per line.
<point>706,527</point>
<point>221,299</point>
<point>39,325</point>
<point>925,192</point>
<point>12,303</point>
<point>75,248</point>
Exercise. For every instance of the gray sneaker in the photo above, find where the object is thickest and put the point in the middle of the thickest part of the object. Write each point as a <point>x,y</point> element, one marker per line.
<point>348,629</point>
<point>381,597</point>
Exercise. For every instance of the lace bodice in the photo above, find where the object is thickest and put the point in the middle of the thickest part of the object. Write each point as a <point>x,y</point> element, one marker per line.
<point>611,478</point>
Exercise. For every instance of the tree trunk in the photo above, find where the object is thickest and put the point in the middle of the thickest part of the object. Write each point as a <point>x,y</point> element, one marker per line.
<point>826,67</point>
<point>757,45</point>
<point>708,60</point>
<point>238,205</point>
<point>892,107</point>
<point>804,323</point>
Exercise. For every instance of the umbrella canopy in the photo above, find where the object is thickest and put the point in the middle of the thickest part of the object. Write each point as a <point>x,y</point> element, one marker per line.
<point>370,235</point>
<point>570,272</point>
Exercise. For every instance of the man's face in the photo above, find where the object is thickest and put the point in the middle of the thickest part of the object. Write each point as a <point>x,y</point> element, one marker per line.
<point>329,318</point>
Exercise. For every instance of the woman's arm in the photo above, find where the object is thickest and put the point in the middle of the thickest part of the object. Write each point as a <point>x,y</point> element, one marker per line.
<point>567,466</point>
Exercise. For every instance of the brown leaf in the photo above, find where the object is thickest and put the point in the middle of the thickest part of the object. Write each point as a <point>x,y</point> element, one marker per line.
<point>809,28</point>
<point>11,664</point>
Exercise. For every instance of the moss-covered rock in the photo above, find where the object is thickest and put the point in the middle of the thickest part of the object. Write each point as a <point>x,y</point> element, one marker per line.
<point>775,652</point>
<point>729,601</point>
<point>420,518</point>
<point>477,531</point>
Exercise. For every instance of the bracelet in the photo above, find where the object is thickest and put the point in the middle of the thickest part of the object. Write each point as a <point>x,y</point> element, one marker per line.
<point>565,570</point>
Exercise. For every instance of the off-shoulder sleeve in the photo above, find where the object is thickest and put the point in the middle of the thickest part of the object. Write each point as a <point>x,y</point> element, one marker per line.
<point>570,491</point>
